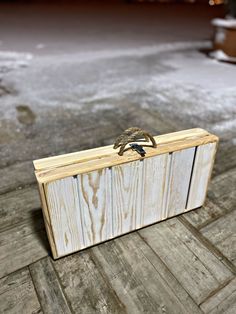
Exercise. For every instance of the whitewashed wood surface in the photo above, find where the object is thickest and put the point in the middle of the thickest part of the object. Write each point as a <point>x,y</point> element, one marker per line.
<point>64,208</point>
<point>155,188</point>
<point>103,204</point>
<point>201,173</point>
<point>178,182</point>
<point>127,196</point>
<point>94,189</point>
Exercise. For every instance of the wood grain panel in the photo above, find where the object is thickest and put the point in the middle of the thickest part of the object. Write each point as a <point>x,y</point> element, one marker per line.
<point>95,199</point>
<point>203,163</point>
<point>155,187</point>
<point>63,203</point>
<point>127,196</point>
<point>179,180</point>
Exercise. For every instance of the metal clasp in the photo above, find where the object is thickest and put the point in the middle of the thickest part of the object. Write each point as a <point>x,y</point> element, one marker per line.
<point>138,148</point>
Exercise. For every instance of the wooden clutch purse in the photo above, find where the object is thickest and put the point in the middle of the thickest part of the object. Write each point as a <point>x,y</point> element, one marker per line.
<point>94,195</point>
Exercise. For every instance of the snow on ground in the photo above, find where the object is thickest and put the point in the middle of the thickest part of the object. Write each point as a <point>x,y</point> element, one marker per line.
<point>10,60</point>
<point>175,81</point>
<point>159,80</point>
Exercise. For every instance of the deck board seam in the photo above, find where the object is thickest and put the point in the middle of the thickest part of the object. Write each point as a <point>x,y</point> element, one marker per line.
<point>214,292</point>
<point>160,259</point>
<point>105,278</point>
<point>36,291</point>
<point>210,220</point>
<point>226,213</point>
<point>61,285</point>
<point>216,252</point>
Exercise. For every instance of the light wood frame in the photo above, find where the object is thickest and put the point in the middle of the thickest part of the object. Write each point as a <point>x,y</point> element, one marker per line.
<point>94,195</point>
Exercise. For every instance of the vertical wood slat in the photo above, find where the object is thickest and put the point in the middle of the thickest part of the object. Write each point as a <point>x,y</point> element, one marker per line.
<point>102,204</point>
<point>155,187</point>
<point>46,217</point>
<point>126,196</point>
<point>179,180</point>
<point>201,173</point>
<point>94,190</point>
<point>63,201</point>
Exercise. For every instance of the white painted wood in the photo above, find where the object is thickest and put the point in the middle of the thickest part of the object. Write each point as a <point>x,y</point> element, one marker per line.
<point>95,200</point>
<point>201,172</point>
<point>178,182</point>
<point>127,198</point>
<point>63,203</point>
<point>155,187</point>
<point>99,205</point>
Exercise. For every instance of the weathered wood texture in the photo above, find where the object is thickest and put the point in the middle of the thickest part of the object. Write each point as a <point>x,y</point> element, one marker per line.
<point>49,290</point>
<point>85,287</point>
<point>221,200</point>
<point>222,190</point>
<point>225,159</point>
<point>197,269</point>
<point>16,176</point>
<point>17,294</point>
<point>22,245</point>
<point>18,205</point>
<point>223,301</point>
<point>204,215</point>
<point>92,207</point>
<point>140,279</point>
<point>222,233</point>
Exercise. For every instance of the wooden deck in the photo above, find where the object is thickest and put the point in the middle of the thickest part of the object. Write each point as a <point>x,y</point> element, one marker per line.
<point>182,265</point>
<point>186,264</point>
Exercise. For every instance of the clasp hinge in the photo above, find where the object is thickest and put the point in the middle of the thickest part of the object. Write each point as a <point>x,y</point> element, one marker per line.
<point>138,148</point>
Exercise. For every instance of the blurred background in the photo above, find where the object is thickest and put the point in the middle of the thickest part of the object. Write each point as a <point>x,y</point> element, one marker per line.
<point>75,74</point>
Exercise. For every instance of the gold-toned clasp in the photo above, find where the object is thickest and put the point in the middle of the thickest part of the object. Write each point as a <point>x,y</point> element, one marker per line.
<point>132,135</point>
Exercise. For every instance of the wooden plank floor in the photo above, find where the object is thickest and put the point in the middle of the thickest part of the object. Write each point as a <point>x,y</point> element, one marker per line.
<point>186,264</point>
